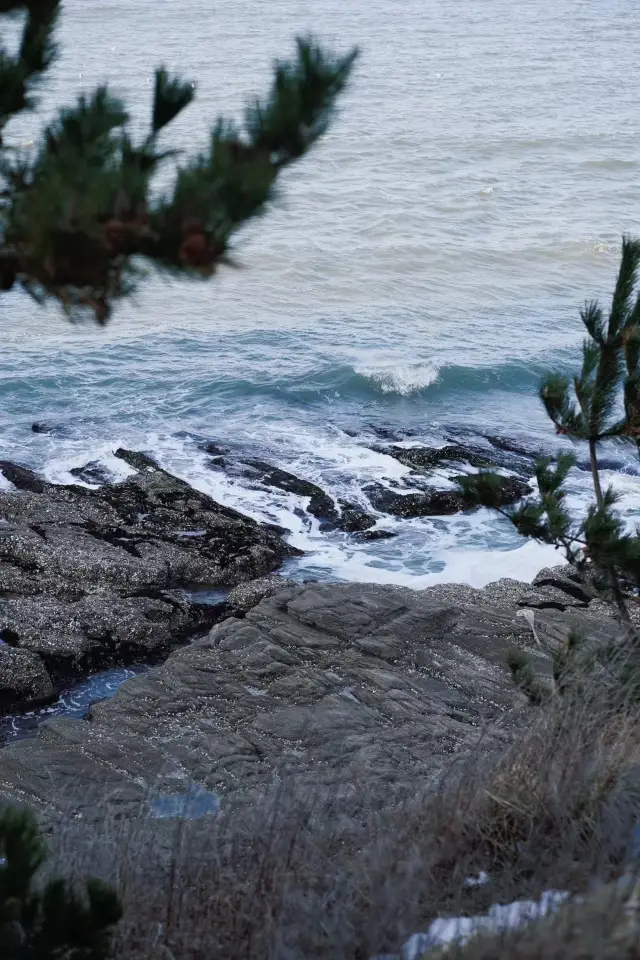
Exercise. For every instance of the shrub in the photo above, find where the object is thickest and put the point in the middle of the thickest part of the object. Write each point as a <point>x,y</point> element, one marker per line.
<point>53,922</point>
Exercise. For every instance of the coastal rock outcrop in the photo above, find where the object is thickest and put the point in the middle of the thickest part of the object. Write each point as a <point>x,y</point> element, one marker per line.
<point>337,684</point>
<point>90,577</point>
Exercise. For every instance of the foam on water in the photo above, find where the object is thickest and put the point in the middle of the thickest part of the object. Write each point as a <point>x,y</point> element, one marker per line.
<point>404,379</point>
<point>74,701</point>
<point>420,270</point>
<point>473,548</point>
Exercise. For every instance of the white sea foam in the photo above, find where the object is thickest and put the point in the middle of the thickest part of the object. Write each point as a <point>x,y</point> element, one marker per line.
<point>422,553</point>
<point>58,469</point>
<point>403,379</point>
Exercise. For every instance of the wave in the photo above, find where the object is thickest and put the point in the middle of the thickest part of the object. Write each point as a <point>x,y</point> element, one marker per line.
<point>403,379</point>
<point>370,382</point>
<point>433,378</point>
<point>429,378</point>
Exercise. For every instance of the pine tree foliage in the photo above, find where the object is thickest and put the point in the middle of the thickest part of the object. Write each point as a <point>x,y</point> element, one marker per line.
<point>79,214</point>
<point>600,404</point>
<point>52,921</point>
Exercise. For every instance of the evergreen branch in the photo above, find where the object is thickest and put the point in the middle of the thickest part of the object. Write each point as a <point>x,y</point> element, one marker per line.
<point>627,275</point>
<point>555,395</point>
<point>79,209</point>
<point>52,921</point>
<point>606,388</point>
<point>592,318</point>
<point>171,95</point>
<point>20,75</point>
<point>300,104</point>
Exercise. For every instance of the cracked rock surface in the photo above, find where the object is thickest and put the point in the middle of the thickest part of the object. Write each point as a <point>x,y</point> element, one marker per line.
<point>338,684</point>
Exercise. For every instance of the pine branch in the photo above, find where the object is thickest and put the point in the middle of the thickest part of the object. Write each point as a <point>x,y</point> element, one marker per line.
<point>55,921</point>
<point>19,76</point>
<point>627,276</point>
<point>556,397</point>
<point>299,107</point>
<point>82,208</point>
<point>171,95</point>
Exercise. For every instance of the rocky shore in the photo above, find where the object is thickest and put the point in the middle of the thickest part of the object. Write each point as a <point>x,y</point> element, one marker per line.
<point>333,682</point>
<point>91,577</point>
<point>101,573</point>
<point>336,683</point>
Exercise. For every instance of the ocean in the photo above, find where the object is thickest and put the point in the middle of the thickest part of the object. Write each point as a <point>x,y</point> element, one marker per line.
<point>416,276</point>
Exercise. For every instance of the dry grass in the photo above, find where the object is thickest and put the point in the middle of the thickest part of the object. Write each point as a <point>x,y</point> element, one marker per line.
<point>345,878</point>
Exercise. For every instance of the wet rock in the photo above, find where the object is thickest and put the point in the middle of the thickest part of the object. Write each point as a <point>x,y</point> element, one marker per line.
<point>616,464</point>
<point>92,472</point>
<point>376,535</point>
<point>321,505</point>
<point>89,576</point>
<point>512,490</point>
<point>22,477</point>
<point>50,429</point>
<point>511,446</point>
<point>353,519</point>
<point>432,502</point>
<point>213,449</point>
<point>74,637</point>
<point>566,580</point>
<point>429,504</point>
<point>24,679</point>
<point>427,458</point>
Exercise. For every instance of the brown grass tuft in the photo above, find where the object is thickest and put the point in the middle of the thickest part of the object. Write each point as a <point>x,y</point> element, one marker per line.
<point>293,875</point>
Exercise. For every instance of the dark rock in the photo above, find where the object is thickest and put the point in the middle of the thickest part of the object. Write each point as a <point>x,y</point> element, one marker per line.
<point>428,504</point>
<point>512,490</point>
<point>24,679</point>
<point>138,460</point>
<point>511,446</point>
<point>334,683</point>
<point>51,429</point>
<point>248,595</point>
<point>498,456</point>
<point>611,463</point>
<point>103,628</point>
<point>93,472</point>
<point>22,477</point>
<point>89,576</point>
<point>426,458</point>
<point>214,449</point>
<point>432,502</point>
<point>376,535</point>
<point>321,505</point>
<point>353,518</point>
<point>386,433</point>
<point>566,580</point>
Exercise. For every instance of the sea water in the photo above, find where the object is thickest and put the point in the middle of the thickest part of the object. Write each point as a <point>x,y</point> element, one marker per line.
<point>416,275</point>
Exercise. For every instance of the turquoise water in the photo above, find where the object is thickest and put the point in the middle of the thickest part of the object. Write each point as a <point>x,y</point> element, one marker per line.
<point>418,273</point>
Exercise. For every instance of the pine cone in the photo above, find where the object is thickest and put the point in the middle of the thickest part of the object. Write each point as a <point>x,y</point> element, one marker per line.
<point>195,251</point>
